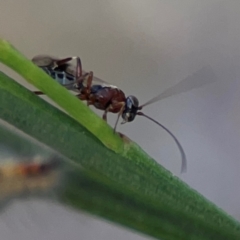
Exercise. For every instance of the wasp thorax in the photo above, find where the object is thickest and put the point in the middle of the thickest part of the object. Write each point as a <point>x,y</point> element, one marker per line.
<point>131,108</point>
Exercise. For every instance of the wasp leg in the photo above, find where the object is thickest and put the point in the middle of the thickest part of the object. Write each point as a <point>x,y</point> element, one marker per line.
<point>122,105</point>
<point>111,107</point>
<point>114,106</point>
<point>82,97</point>
<point>104,117</point>
<point>89,82</point>
<point>85,93</point>
<point>38,93</point>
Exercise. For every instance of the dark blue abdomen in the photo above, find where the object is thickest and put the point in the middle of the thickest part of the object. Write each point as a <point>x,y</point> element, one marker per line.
<point>60,76</point>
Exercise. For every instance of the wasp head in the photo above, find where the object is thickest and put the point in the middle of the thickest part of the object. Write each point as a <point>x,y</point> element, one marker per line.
<point>130,110</point>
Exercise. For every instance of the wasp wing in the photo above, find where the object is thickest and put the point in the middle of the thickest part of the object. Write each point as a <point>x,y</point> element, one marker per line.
<point>202,77</point>
<point>43,60</point>
<point>71,69</point>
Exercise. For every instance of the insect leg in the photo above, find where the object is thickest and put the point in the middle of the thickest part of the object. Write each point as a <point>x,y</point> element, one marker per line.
<point>38,92</point>
<point>86,91</point>
<point>104,117</point>
<point>89,82</point>
<point>122,105</point>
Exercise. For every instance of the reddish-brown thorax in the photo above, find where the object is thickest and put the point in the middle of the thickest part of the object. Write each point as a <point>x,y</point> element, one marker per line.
<point>107,97</point>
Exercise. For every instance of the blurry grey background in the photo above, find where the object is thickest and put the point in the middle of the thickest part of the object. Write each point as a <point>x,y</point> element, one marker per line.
<point>143,47</point>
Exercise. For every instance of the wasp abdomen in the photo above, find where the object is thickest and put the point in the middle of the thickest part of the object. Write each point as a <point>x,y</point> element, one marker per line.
<point>61,77</point>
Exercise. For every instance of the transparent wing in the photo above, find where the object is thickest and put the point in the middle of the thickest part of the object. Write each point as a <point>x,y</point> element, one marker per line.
<point>71,69</point>
<point>43,60</point>
<point>202,77</point>
<point>97,80</point>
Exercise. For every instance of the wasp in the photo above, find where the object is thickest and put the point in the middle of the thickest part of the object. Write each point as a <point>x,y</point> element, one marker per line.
<point>107,97</point>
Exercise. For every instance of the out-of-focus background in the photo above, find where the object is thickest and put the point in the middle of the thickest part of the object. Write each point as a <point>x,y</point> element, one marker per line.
<point>143,47</point>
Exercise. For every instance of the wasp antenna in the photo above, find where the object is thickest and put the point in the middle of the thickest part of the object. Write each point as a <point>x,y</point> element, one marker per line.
<point>198,79</point>
<point>183,155</point>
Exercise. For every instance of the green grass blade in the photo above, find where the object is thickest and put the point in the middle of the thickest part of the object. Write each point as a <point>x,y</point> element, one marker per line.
<point>140,212</point>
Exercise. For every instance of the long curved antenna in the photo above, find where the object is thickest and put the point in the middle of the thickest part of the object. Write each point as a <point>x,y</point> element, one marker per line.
<point>183,155</point>
<point>202,77</point>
